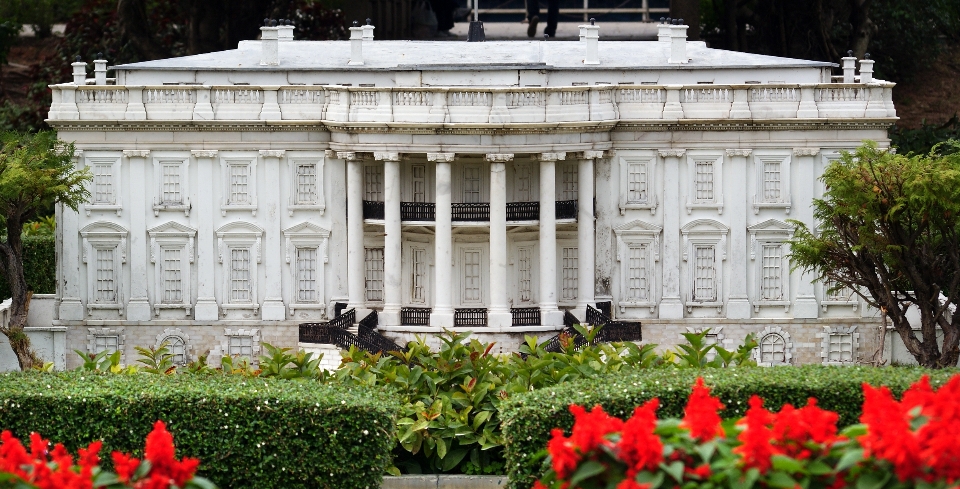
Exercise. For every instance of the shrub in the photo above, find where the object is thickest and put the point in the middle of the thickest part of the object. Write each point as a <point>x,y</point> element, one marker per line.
<point>529,418</point>
<point>248,432</point>
<point>39,266</point>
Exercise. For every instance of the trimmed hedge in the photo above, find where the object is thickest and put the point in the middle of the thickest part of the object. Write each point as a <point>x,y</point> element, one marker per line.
<point>247,432</point>
<point>39,266</point>
<point>528,418</point>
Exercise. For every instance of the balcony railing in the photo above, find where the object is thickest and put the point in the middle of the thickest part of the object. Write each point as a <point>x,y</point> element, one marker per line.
<point>372,209</point>
<point>566,209</point>
<point>470,317</point>
<point>523,211</point>
<point>415,316</point>
<point>470,212</point>
<point>418,211</point>
<point>525,316</point>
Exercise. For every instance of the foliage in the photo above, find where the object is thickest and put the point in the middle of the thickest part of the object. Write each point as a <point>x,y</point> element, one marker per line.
<point>41,14</point>
<point>39,266</point>
<point>889,228</point>
<point>922,140</point>
<point>529,418</point>
<point>795,447</point>
<point>249,432</point>
<point>43,226</point>
<point>696,352</point>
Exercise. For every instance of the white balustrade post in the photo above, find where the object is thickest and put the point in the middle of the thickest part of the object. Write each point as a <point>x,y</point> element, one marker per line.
<point>68,230</point>
<point>805,305</point>
<point>671,306</point>
<point>738,303</point>
<point>271,105</point>
<point>136,111</point>
<point>498,314</point>
<point>203,108</point>
<point>138,308</point>
<point>273,308</point>
<point>586,238</point>
<point>550,315</point>
<point>206,206</point>
<point>392,264</point>
<point>442,314</point>
<point>68,103</point>
<point>355,269</point>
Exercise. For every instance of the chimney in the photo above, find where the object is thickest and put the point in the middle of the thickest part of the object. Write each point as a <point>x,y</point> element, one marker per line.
<point>678,42</point>
<point>368,31</point>
<point>866,69</point>
<point>100,69</point>
<point>475,34</point>
<point>663,30</point>
<point>590,34</point>
<point>285,30</point>
<point>79,71</point>
<point>269,43</point>
<point>356,45</point>
<point>849,67</point>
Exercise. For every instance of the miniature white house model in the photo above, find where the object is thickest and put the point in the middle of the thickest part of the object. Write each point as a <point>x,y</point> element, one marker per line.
<point>484,186</point>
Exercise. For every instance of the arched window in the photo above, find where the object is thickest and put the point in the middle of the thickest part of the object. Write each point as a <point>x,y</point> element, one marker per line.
<point>178,344</point>
<point>772,349</point>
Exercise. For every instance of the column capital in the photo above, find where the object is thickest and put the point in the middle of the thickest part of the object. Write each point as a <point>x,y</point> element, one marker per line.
<point>806,151</point>
<point>672,153</point>
<point>204,153</point>
<point>591,155</point>
<point>78,153</point>
<point>329,153</point>
<point>136,153</point>
<point>386,156</point>
<point>347,155</point>
<point>272,153</point>
<point>551,156</point>
<point>739,152</point>
<point>499,157</point>
<point>441,157</point>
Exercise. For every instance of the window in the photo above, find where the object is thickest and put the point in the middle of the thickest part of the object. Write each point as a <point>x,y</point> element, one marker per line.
<point>241,343</point>
<point>238,172</point>
<point>105,187</point>
<point>638,248</point>
<point>104,251</point>
<point>240,280</point>
<point>569,178</point>
<point>704,181</point>
<point>704,250</point>
<point>239,245</point>
<point>637,183</point>
<point>841,296</point>
<point>239,184</point>
<point>103,184</point>
<point>373,183</point>
<point>524,183</point>
<point>771,287</point>
<point>241,346</point>
<point>569,271</point>
<point>419,292</point>
<point>771,181</point>
<point>178,344</point>
<point>307,183</point>
<point>419,181</point>
<point>170,170</point>
<point>525,274</point>
<point>841,348</point>
<point>373,261</point>
<point>172,253</point>
<point>471,184</point>
<point>107,343</point>
<point>108,340</point>
<point>170,191</point>
<point>774,347</point>
<point>638,180</point>
<point>705,275</point>
<point>306,254</point>
<point>305,178</point>
<point>772,272</point>
<point>106,291</point>
<point>839,345</point>
<point>638,289</point>
<point>705,176</point>
<point>471,273</point>
<point>172,281</point>
<point>772,184</point>
<point>306,274</point>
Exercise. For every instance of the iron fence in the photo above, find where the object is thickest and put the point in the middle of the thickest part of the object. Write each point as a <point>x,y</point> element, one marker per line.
<point>566,209</point>
<point>523,211</point>
<point>418,211</point>
<point>525,316</point>
<point>415,316</point>
<point>471,212</point>
<point>372,209</point>
<point>470,317</point>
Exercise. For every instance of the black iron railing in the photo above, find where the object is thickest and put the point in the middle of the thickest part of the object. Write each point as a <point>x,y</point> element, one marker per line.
<point>606,308</point>
<point>415,316</point>
<point>595,317</point>
<point>470,212</point>
<point>470,317</point>
<point>335,333</point>
<point>525,316</point>
<point>610,331</point>
<point>418,211</point>
<point>319,332</point>
<point>372,209</point>
<point>372,341</point>
<point>338,307</point>
<point>523,211</point>
<point>621,331</point>
<point>566,209</point>
<point>569,319</point>
<point>371,321</point>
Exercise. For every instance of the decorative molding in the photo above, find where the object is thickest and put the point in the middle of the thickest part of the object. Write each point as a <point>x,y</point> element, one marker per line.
<point>787,346</point>
<point>136,153</point>
<point>671,153</point>
<point>806,151</point>
<point>329,153</point>
<point>591,155</point>
<point>739,152</point>
<point>272,153</point>
<point>499,157</point>
<point>441,157</point>
<point>386,156</point>
<point>551,156</point>
<point>178,333</point>
<point>347,155</point>
<point>204,153</point>
<point>826,346</point>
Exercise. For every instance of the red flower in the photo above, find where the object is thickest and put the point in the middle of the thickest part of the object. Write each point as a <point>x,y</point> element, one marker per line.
<point>563,456</point>
<point>640,448</point>
<point>700,415</point>
<point>159,451</point>
<point>702,472</point>
<point>125,465</point>
<point>591,427</point>
<point>756,439</point>
<point>796,431</point>
<point>538,485</point>
<point>888,433</point>
<point>629,483</point>
<point>937,438</point>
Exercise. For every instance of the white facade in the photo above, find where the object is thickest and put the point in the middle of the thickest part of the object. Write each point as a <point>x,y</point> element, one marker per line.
<point>237,194</point>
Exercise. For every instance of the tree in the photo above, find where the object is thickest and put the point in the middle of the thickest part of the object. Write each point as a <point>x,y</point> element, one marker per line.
<point>36,170</point>
<point>889,228</point>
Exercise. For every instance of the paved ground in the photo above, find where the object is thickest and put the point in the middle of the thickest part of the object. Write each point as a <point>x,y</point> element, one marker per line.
<point>620,31</point>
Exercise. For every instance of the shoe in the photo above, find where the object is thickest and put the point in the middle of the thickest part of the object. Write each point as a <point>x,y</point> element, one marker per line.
<point>532,27</point>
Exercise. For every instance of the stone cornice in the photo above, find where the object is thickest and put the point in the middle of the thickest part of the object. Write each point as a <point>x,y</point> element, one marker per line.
<point>386,156</point>
<point>739,152</point>
<point>441,157</point>
<point>499,157</point>
<point>136,153</point>
<point>806,151</point>
<point>672,153</point>
<point>272,153</point>
<point>204,153</point>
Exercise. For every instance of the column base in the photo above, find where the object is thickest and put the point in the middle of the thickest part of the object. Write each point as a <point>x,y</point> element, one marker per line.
<point>501,319</point>
<point>388,317</point>
<point>806,308</point>
<point>138,310</point>
<point>441,319</point>
<point>71,309</point>
<point>738,308</point>
<point>206,310</point>
<point>671,308</point>
<point>273,310</point>
<point>551,317</point>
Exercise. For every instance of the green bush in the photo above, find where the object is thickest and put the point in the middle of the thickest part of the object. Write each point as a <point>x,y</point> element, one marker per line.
<point>247,432</point>
<point>39,266</point>
<point>528,418</point>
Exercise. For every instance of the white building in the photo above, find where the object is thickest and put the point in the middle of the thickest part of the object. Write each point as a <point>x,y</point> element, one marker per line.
<point>487,186</point>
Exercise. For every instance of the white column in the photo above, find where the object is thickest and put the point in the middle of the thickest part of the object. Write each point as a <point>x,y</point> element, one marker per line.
<point>138,308</point>
<point>206,308</point>
<point>392,264</point>
<point>442,314</point>
<point>498,313</point>
<point>273,308</point>
<point>738,303</point>
<point>550,315</point>
<point>68,227</point>
<point>671,307</point>
<point>586,238</point>
<point>806,303</point>
<point>355,270</point>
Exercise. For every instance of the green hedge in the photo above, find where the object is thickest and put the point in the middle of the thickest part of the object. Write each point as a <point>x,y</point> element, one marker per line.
<point>247,432</point>
<point>39,266</point>
<point>528,418</point>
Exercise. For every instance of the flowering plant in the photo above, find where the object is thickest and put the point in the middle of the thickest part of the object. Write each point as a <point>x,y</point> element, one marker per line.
<point>42,468</point>
<point>899,444</point>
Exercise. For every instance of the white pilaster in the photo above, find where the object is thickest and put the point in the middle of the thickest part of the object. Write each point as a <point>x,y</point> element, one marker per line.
<point>671,307</point>
<point>805,305</point>
<point>738,303</point>
<point>206,204</point>
<point>273,308</point>
<point>138,308</point>
<point>392,240</point>
<point>498,313</point>
<point>550,315</point>
<point>442,314</point>
<point>68,227</point>
<point>354,229</point>
<point>586,238</point>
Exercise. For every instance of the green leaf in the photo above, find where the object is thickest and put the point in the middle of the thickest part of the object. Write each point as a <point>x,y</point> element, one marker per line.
<point>674,469</point>
<point>849,459</point>
<point>787,464</point>
<point>873,479</point>
<point>780,479</point>
<point>585,471</point>
<point>819,468</point>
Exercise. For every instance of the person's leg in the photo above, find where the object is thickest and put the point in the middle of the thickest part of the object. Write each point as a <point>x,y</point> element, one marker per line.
<point>533,17</point>
<point>553,16</point>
